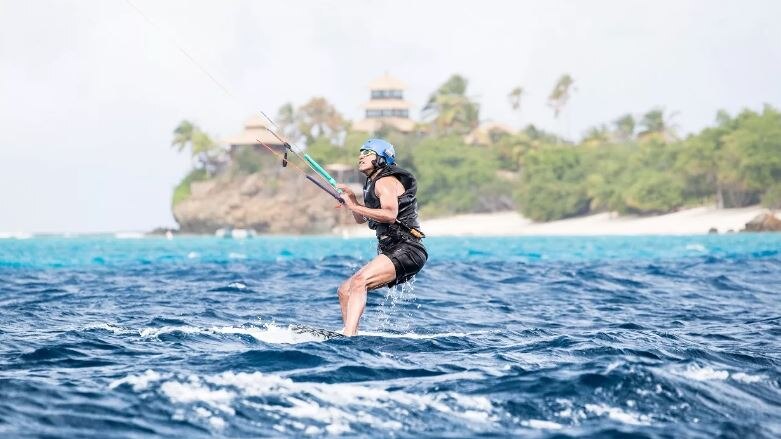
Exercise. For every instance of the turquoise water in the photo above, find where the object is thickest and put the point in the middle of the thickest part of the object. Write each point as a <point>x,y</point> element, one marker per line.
<point>496,337</point>
<point>70,252</point>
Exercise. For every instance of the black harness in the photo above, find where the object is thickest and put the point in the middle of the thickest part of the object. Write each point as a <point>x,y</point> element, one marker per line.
<point>406,226</point>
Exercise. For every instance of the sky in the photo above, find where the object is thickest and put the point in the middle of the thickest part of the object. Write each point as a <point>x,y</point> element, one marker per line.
<point>90,91</point>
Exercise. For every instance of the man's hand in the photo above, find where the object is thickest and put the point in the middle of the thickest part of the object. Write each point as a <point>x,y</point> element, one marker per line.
<point>346,190</point>
<point>348,196</point>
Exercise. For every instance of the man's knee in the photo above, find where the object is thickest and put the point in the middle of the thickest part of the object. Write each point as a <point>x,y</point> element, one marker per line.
<point>359,278</point>
<point>344,289</point>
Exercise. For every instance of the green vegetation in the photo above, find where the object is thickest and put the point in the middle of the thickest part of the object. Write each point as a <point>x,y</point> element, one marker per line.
<point>552,184</point>
<point>734,164</point>
<point>632,165</point>
<point>182,190</point>
<point>560,95</point>
<point>247,160</point>
<point>450,110</point>
<point>453,176</point>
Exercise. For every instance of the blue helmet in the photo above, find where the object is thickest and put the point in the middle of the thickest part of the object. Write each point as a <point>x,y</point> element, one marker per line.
<point>385,152</point>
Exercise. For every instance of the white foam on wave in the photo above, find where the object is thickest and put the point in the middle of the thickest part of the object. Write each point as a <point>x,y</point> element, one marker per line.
<point>138,382</point>
<point>707,373</point>
<point>156,332</point>
<point>696,247</point>
<point>619,415</point>
<point>539,424</point>
<point>569,411</point>
<point>746,378</point>
<point>697,373</point>
<point>268,333</point>
<point>108,327</point>
<point>332,407</point>
<point>215,421</point>
<point>193,390</point>
<point>271,333</point>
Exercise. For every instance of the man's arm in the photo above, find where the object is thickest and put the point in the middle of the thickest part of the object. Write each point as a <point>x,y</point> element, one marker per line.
<point>388,190</point>
<point>348,194</point>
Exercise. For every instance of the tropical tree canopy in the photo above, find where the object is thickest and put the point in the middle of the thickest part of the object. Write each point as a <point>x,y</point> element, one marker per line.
<point>205,153</point>
<point>514,97</point>
<point>318,118</point>
<point>452,111</point>
<point>624,128</point>
<point>183,134</point>
<point>561,93</point>
<point>658,126</point>
<point>597,136</point>
<point>188,135</point>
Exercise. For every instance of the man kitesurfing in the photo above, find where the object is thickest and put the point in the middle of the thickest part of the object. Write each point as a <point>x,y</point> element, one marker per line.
<point>391,209</point>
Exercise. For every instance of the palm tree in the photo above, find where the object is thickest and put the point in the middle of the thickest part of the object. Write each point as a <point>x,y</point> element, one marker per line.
<point>560,95</point>
<point>455,114</point>
<point>183,135</point>
<point>658,125</point>
<point>624,128</point>
<point>202,144</point>
<point>203,150</point>
<point>451,109</point>
<point>514,97</point>
<point>455,85</point>
<point>597,136</point>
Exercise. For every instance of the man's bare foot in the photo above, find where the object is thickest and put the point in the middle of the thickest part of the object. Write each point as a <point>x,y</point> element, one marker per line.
<point>344,332</point>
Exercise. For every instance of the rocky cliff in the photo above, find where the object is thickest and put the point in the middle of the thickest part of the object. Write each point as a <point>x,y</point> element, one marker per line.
<point>764,222</point>
<point>275,202</point>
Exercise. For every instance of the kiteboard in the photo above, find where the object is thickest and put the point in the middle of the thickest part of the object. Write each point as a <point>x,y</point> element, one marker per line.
<point>326,333</point>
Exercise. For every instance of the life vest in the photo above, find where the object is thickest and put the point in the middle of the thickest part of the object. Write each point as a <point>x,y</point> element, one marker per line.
<point>408,204</point>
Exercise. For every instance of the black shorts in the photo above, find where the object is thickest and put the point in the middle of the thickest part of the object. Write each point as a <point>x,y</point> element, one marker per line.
<point>408,257</point>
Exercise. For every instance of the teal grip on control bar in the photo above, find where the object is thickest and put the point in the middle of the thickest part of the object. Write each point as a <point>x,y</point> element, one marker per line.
<point>319,169</point>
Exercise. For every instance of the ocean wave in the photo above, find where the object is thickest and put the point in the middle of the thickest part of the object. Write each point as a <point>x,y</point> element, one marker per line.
<point>590,337</point>
<point>270,333</point>
<point>707,373</point>
<point>108,327</point>
<point>334,408</point>
<point>618,414</point>
<point>267,333</point>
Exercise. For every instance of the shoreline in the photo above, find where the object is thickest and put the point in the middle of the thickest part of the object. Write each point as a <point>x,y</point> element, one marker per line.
<point>693,221</point>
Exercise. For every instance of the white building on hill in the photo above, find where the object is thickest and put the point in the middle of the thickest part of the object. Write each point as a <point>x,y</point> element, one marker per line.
<point>386,107</point>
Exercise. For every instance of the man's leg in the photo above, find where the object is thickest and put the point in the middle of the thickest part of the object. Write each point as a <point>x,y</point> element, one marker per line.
<point>344,295</point>
<point>352,293</point>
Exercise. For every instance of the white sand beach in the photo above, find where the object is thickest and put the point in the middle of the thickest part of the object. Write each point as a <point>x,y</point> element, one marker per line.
<point>685,222</point>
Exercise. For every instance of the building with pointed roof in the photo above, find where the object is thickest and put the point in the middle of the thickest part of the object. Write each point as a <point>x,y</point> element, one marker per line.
<point>253,134</point>
<point>386,107</point>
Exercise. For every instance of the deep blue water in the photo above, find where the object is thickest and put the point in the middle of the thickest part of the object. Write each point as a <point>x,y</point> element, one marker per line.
<point>539,337</point>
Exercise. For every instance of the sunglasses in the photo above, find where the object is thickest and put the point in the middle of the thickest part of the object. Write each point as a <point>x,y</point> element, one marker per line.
<point>365,152</point>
